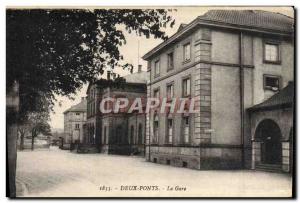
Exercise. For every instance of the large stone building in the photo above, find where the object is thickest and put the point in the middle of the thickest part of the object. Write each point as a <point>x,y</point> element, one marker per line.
<point>228,60</point>
<point>116,133</point>
<point>74,121</point>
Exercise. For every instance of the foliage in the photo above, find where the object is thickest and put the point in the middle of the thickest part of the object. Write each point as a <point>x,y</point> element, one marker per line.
<point>38,123</point>
<point>57,51</point>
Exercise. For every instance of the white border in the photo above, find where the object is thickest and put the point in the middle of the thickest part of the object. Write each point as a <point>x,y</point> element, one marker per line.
<point>34,3</point>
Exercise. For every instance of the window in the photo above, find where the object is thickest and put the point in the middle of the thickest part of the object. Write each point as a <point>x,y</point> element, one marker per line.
<point>121,101</point>
<point>169,130</point>
<point>186,129</point>
<point>140,135</point>
<point>186,87</point>
<point>170,91</point>
<point>77,114</point>
<point>156,93</point>
<point>271,82</point>
<point>156,68</point>
<point>271,52</point>
<point>76,126</point>
<point>155,128</point>
<point>187,52</point>
<point>170,61</point>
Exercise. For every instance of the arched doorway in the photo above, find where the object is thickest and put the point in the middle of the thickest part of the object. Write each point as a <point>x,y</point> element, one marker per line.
<point>119,135</point>
<point>269,134</point>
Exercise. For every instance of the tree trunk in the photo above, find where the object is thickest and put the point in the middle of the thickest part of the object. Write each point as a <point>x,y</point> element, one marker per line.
<point>32,141</point>
<point>11,159</point>
<point>22,141</point>
<point>12,108</point>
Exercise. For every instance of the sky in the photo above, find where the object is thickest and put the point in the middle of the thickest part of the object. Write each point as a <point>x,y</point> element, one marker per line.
<point>136,47</point>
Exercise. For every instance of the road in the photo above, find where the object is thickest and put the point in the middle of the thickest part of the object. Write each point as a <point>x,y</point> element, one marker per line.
<point>58,173</point>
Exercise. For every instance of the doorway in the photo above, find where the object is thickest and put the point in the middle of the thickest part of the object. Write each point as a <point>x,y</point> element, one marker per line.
<point>269,134</point>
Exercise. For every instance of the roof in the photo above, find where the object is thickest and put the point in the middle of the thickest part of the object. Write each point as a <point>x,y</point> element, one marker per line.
<point>284,98</point>
<point>80,107</point>
<point>252,18</point>
<point>246,20</point>
<point>138,77</point>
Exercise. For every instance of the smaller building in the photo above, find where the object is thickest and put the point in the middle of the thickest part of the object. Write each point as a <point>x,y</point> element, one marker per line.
<point>74,120</point>
<point>272,131</point>
<point>121,132</point>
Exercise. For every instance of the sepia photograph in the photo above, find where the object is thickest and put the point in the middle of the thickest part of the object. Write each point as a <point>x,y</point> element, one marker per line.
<point>150,102</point>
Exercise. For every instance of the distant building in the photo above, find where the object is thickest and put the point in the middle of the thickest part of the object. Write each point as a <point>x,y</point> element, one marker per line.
<point>230,61</point>
<point>74,120</point>
<point>116,133</point>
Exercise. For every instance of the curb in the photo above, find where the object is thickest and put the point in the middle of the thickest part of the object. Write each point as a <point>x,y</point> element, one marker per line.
<point>24,190</point>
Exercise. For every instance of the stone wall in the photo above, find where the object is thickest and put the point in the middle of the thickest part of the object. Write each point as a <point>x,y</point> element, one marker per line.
<point>187,157</point>
<point>286,156</point>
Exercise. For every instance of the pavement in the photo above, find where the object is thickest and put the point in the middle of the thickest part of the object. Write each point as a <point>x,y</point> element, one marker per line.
<point>60,173</point>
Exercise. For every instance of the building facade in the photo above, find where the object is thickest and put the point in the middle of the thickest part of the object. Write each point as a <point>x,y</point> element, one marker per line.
<point>74,121</point>
<point>229,61</point>
<point>121,132</point>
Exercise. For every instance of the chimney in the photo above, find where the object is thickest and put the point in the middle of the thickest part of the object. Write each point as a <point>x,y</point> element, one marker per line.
<point>108,75</point>
<point>139,68</point>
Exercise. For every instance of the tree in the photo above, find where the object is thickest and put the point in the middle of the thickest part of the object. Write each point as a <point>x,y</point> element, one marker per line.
<point>22,130</point>
<point>35,125</point>
<point>56,51</point>
<point>38,124</point>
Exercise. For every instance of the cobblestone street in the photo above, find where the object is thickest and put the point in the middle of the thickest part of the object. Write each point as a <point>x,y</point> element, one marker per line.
<point>57,173</point>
